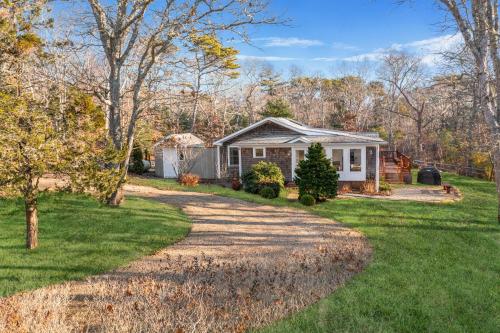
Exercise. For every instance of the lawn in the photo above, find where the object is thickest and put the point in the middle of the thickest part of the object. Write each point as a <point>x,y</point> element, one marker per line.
<point>435,267</point>
<point>79,237</point>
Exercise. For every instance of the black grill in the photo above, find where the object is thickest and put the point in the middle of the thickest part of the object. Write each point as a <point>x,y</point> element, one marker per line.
<point>429,175</point>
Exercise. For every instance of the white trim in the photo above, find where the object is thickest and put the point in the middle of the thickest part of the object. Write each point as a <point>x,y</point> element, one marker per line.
<point>360,159</point>
<point>294,158</point>
<point>229,156</point>
<point>218,162</point>
<point>330,152</point>
<point>257,124</point>
<point>301,129</point>
<point>300,140</point>
<point>239,160</point>
<point>377,166</point>
<point>263,150</point>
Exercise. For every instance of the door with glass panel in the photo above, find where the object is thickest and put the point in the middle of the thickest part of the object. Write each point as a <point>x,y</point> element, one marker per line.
<point>298,154</point>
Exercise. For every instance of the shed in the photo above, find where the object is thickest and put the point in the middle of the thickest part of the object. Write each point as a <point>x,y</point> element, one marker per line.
<point>170,150</point>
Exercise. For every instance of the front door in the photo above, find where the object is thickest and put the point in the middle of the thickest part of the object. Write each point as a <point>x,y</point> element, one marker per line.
<point>298,154</point>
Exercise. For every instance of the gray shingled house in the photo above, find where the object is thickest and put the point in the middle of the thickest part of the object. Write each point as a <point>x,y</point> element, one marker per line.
<point>285,142</point>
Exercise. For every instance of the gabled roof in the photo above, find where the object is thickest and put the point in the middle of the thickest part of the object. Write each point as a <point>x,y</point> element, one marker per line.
<point>304,132</point>
<point>182,139</point>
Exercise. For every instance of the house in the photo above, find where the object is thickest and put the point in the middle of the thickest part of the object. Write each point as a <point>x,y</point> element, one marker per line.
<point>285,142</point>
<point>170,153</point>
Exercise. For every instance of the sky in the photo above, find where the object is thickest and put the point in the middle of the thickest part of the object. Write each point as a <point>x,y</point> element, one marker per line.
<point>326,34</point>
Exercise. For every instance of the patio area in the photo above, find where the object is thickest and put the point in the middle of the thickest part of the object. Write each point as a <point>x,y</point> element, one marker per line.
<point>422,193</point>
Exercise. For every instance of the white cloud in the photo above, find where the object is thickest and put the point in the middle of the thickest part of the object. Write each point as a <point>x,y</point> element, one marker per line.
<point>288,42</point>
<point>429,49</point>
<point>265,58</point>
<point>344,46</point>
<point>326,59</point>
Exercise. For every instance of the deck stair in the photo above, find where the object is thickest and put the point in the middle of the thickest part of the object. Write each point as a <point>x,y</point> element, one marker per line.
<point>395,167</point>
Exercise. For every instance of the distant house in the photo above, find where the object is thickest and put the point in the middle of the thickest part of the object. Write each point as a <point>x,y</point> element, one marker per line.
<point>285,142</point>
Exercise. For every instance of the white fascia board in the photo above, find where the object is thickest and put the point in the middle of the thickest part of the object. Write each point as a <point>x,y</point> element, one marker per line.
<point>257,124</point>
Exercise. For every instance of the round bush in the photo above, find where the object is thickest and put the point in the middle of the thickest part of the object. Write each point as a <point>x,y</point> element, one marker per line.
<point>263,174</point>
<point>307,200</point>
<point>268,193</point>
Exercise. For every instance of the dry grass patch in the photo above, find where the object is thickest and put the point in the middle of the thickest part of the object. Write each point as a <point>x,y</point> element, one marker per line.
<point>189,294</point>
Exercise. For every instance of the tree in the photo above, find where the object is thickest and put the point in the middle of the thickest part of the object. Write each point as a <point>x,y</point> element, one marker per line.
<point>404,74</point>
<point>139,36</point>
<point>27,146</point>
<point>137,165</point>
<point>28,149</point>
<point>276,108</point>
<point>315,175</point>
<point>210,57</point>
<point>477,21</point>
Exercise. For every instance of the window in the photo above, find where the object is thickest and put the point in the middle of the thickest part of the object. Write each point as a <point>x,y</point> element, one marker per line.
<point>338,159</point>
<point>300,155</point>
<point>234,156</point>
<point>355,159</point>
<point>181,156</point>
<point>259,152</point>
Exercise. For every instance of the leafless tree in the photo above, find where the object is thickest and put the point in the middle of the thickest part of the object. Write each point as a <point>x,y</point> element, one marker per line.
<point>477,21</point>
<point>138,35</point>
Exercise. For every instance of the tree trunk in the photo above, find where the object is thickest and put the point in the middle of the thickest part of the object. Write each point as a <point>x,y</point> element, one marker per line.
<point>31,224</point>
<point>419,139</point>
<point>114,114</point>
<point>496,166</point>
<point>116,197</point>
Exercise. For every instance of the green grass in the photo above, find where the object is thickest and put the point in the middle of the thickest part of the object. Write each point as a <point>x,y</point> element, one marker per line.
<point>79,237</point>
<point>435,268</point>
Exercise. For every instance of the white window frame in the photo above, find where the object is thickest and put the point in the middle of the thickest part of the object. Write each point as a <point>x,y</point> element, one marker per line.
<point>343,159</point>
<point>254,149</point>
<point>229,156</point>
<point>361,152</point>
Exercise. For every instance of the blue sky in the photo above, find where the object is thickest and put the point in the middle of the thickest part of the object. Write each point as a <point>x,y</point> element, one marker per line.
<point>325,33</point>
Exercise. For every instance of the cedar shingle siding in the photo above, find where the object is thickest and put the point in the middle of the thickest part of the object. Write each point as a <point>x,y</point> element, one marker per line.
<point>281,156</point>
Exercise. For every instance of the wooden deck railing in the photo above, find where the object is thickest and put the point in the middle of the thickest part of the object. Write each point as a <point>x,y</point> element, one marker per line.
<point>402,162</point>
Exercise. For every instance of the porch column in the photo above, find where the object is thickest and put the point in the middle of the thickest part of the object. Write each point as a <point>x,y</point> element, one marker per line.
<point>377,168</point>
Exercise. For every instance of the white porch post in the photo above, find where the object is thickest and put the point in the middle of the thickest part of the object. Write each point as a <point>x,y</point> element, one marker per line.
<point>218,162</point>
<point>377,172</point>
<point>239,160</point>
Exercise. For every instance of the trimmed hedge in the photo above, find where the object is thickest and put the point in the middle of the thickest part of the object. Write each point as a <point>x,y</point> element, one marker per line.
<point>267,192</point>
<point>264,174</point>
<point>307,200</point>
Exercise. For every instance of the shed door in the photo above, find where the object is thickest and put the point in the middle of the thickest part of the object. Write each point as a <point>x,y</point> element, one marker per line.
<point>169,161</point>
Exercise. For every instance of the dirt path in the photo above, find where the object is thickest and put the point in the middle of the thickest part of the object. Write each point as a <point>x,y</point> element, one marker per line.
<point>243,265</point>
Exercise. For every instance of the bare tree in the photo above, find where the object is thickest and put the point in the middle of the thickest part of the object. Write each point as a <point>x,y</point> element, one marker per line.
<point>141,34</point>
<point>406,79</point>
<point>477,21</point>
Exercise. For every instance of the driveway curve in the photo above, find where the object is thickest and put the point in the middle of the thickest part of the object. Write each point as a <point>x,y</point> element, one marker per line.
<point>242,266</point>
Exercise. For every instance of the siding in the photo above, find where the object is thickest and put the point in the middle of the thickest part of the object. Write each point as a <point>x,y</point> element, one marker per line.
<point>281,156</point>
<point>159,162</point>
<point>283,159</point>
<point>206,163</point>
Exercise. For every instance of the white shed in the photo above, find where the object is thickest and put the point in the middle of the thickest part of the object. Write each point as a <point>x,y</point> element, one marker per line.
<point>169,153</point>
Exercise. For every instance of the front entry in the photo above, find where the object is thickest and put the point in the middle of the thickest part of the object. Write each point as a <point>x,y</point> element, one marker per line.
<point>298,154</point>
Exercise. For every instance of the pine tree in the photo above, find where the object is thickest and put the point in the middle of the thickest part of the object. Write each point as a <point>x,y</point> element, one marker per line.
<point>315,175</point>
<point>277,108</point>
<point>137,165</point>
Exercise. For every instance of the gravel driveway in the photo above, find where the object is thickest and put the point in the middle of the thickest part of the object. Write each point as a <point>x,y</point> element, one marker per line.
<point>242,265</point>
